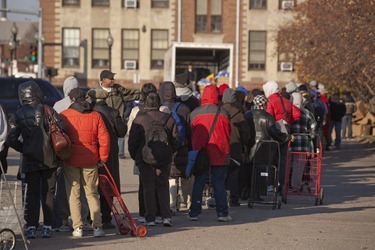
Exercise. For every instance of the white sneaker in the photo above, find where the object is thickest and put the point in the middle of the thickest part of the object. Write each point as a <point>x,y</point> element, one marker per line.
<point>225,219</point>
<point>98,232</point>
<point>142,220</point>
<point>158,220</point>
<point>167,222</point>
<point>193,218</point>
<point>78,232</point>
<point>150,224</point>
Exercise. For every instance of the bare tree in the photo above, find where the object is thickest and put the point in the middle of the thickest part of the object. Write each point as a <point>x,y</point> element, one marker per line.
<point>333,41</point>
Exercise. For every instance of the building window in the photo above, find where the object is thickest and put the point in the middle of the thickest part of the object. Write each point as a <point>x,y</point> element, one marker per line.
<point>208,17</point>
<point>159,44</point>
<point>100,49</point>
<point>257,50</point>
<point>70,50</point>
<point>159,3</point>
<point>100,2</point>
<point>70,2</point>
<point>130,46</point>
<point>258,4</point>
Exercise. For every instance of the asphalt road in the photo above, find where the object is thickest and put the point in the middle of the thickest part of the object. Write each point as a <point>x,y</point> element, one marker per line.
<point>346,220</point>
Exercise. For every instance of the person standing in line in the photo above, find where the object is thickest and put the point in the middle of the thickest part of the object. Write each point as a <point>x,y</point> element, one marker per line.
<point>4,129</point>
<point>118,97</point>
<point>347,119</point>
<point>306,124</point>
<point>186,96</point>
<point>154,178</point>
<point>90,148</point>
<point>218,147</point>
<point>284,112</point>
<point>147,88</point>
<point>327,121</point>
<point>116,128</point>
<point>62,212</point>
<point>167,93</point>
<point>239,138</point>
<point>39,162</point>
<point>338,111</point>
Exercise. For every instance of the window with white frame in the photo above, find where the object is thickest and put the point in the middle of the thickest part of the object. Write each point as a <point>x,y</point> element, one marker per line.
<point>257,50</point>
<point>159,44</point>
<point>130,46</point>
<point>70,50</point>
<point>100,49</point>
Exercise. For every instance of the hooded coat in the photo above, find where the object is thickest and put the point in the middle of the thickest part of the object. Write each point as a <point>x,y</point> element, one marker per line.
<point>185,95</point>
<point>167,93</point>
<point>240,128</point>
<point>88,134</point>
<point>69,84</point>
<point>279,107</point>
<point>202,118</point>
<point>27,120</point>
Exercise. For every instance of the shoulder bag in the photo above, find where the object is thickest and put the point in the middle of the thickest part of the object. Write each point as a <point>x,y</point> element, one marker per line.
<point>198,160</point>
<point>60,141</point>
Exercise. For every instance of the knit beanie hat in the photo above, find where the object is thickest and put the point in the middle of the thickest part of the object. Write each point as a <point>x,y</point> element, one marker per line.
<point>260,102</point>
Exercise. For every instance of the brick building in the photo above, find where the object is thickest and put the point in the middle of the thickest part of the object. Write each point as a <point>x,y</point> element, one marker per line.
<point>204,33</point>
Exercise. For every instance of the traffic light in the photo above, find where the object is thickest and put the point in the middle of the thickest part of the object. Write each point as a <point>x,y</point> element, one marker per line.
<point>33,53</point>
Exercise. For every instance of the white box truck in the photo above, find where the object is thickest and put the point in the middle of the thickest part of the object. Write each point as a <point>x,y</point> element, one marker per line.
<point>206,58</point>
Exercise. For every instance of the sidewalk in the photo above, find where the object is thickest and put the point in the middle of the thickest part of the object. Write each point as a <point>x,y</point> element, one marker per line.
<point>346,220</point>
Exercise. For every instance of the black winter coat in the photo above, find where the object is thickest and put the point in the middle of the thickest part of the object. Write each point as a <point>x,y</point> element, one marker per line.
<point>265,129</point>
<point>116,128</point>
<point>22,123</point>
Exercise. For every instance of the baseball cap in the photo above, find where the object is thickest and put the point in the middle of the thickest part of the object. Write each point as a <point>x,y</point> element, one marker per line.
<point>107,74</point>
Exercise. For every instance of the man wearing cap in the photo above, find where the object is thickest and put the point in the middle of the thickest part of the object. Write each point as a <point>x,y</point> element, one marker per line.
<point>117,98</point>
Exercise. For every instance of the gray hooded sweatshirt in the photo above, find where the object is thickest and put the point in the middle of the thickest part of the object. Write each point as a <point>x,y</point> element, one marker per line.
<point>69,84</point>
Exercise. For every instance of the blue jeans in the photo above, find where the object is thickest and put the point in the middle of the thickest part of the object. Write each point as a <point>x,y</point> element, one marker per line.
<point>347,123</point>
<point>121,146</point>
<point>218,176</point>
<point>337,125</point>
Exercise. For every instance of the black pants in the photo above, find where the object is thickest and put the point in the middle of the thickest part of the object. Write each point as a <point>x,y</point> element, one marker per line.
<point>3,159</point>
<point>40,189</point>
<point>155,181</point>
<point>141,200</point>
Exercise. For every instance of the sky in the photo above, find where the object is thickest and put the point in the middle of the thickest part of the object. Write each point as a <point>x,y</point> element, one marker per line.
<point>26,5</point>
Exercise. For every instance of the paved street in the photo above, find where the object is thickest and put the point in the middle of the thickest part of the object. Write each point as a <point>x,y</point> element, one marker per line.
<point>346,220</point>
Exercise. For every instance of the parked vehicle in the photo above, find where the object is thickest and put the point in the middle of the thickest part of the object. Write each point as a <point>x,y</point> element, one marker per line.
<point>9,92</point>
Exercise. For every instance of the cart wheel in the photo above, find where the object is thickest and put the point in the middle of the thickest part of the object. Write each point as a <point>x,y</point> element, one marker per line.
<point>250,204</point>
<point>141,231</point>
<point>316,201</point>
<point>278,204</point>
<point>7,239</point>
<point>321,196</point>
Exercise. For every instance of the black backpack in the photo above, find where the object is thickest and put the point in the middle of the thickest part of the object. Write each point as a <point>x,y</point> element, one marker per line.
<point>157,150</point>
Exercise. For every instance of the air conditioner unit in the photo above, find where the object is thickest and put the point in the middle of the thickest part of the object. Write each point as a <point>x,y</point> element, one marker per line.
<point>130,64</point>
<point>130,3</point>
<point>286,66</point>
<point>287,5</point>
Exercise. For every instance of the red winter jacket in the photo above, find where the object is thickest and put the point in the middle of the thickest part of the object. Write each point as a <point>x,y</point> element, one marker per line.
<point>201,122</point>
<point>89,136</point>
<point>276,109</point>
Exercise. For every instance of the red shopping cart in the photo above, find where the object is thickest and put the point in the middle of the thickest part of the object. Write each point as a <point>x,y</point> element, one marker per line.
<point>123,218</point>
<point>303,171</point>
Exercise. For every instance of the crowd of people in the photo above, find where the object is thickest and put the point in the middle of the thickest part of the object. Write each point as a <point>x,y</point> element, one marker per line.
<point>164,123</point>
